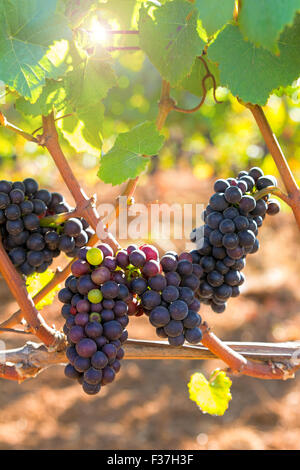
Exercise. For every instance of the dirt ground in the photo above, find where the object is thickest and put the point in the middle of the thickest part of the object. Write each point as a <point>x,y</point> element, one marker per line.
<point>147,407</point>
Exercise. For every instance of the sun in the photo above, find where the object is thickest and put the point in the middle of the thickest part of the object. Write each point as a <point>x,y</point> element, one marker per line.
<point>98,32</point>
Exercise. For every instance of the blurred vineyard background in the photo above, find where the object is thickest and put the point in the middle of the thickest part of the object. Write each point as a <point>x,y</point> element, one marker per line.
<point>148,405</point>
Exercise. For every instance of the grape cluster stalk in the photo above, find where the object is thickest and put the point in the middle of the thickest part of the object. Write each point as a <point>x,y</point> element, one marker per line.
<point>231,223</point>
<point>30,246</point>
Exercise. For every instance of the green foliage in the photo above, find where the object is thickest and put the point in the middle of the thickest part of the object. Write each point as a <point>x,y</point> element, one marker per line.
<point>27,29</point>
<point>252,72</point>
<point>128,157</point>
<point>51,60</point>
<point>53,96</point>
<point>262,21</point>
<point>211,396</point>
<point>215,14</point>
<point>170,38</point>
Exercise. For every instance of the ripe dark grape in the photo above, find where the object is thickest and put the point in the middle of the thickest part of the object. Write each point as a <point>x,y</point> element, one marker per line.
<point>137,258</point>
<point>31,186</point>
<point>35,242</point>
<point>17,196</point>
<point>39,207</point>
<point>12,212</point>
<point>229,234</point>
<point>5,186</point>
<point>18,256</point>
<point>218,202</point>
<point>233,195</point>
<point>14,227</point>
<point>273,207</point>
<point>73,227</point>
<point>221,185</point>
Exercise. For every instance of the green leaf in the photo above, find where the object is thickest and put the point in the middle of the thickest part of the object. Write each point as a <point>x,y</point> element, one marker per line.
<point>193,81</point>
<point>126,158</point>
<point>52,96</point>
<point>215,13</point>
<point>251,73</point>
<point>36,282</point>
<point>27,29</point>
<point>89,82</point>
<point>211,396</point>
<point>86,86</point>
<point>170,38</point>
<point>262,21</point>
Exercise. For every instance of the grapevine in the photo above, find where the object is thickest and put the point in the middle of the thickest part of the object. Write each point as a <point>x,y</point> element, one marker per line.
<point>64,78</point>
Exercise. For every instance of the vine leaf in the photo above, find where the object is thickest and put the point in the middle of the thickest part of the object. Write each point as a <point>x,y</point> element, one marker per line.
<point>26,34</point>
<point>262,21</point>
<point>86,86</point>
<point>214,14</point>
<point>236,57</point>
<point>126,159</point>
<point>36,282</point>
<point>53,96</point>
<point>169,36</point>
<point>211,396</point>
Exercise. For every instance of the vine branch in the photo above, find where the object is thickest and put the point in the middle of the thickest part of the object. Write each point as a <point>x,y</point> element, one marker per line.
<point>278,157</point>
<point>33,358</point>
<point>17,286</point>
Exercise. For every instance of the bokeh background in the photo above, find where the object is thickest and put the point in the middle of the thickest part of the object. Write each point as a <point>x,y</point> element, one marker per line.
<point>148,407</point>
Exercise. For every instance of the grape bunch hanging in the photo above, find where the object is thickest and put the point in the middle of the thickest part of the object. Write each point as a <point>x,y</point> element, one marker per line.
<point>104,290</point>
<point>231,223</point>
<point>30,246</point>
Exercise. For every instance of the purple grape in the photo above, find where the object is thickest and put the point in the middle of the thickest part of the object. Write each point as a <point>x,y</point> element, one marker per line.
<point>108,375</point>
<point>110,351</point>
<point>159,316</point>
<point>93,376</point>
<point>100,275</point>
<point>93,329</point>
<point>193,335</point>
<point>71,372</point>
<point>112,330</point>
<point>86,347</point>
<point>76,334</point>
<point>99,360</point>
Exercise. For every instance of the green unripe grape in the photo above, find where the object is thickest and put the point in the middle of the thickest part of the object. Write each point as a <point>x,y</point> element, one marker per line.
<point>94,316</point>
<point>94,256</point>
<point>95,296</point>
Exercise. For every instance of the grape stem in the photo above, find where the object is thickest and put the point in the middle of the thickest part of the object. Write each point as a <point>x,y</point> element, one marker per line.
<point>17,286</point>
<point>4,122</point>
<point>49,139</point>
<point>273,190</point>
<point>58,219</point>
<point>203,83</point>
<point>278,157</point>
<point>273,360</point>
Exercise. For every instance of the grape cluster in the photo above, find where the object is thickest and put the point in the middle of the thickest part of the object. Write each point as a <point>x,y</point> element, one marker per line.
<point>165,291</point>
<point>31,247</point>
<point>95,309</point>
<point>231,222</point>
